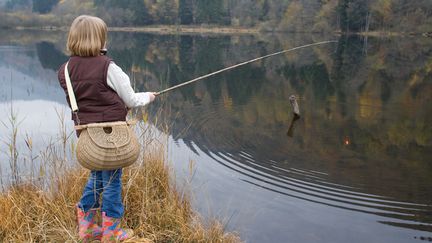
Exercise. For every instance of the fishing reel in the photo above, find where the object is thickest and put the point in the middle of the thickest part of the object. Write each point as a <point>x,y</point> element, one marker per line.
<point>103,51</point>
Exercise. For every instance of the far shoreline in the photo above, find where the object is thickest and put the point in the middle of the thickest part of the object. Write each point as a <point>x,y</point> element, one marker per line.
<point>163,29</point>
<point>173,29</point>
<point>224,30</point>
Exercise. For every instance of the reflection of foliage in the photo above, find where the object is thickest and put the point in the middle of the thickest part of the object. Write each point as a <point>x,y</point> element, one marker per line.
<point>348,57</point>
<point>352,100</point>
<point>290,73</point>
<point>208,59</point>
<point>49,56</point>
<point>315,75</point>
<point>130,55</point>
<point>318,76</point>
<point>244,82</point>
<point>209,53</point>
<point>379,102</point>
<point>356,91</point>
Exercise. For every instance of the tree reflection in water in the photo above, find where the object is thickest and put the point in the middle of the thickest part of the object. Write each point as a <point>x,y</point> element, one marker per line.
<point>363,143</point>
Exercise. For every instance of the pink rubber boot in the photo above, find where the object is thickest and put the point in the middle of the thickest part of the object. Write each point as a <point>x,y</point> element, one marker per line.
<point>112,231</point>
<point>88,230</point>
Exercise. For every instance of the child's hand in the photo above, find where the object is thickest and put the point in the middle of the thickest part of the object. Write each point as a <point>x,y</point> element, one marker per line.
<point>152,96</point>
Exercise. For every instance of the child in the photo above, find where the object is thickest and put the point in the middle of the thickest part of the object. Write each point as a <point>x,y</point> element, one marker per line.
<point>103,93</point>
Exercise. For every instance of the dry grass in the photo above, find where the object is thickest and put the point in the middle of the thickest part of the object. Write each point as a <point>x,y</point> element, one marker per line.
<point>41,207</point>
<point>154,208</point>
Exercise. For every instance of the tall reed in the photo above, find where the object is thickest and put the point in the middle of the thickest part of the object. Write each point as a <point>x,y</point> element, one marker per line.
<point>11,143</point>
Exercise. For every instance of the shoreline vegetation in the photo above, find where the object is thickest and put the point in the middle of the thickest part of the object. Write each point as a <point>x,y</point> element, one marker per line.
<point>42,208</point>
<point>173,29</point>
<point>222,30</point>
<point>161,29</point>
<point>389,17</point>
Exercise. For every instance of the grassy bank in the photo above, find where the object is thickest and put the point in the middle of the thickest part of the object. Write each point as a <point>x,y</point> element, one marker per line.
<point>154,208</point>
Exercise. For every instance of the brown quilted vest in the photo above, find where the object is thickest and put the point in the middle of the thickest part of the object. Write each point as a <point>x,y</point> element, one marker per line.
<point>97,102</point>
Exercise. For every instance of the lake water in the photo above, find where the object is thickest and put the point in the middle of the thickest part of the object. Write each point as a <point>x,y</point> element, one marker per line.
<point>356,166</point>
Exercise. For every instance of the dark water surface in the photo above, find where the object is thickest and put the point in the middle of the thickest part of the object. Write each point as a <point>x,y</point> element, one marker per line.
<point>357,165</point>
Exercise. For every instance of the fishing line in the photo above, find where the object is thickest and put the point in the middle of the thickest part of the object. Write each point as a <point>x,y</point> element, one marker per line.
<point>240,64</point>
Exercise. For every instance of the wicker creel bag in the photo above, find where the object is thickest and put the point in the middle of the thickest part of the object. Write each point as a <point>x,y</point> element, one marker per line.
<point>104,146</point>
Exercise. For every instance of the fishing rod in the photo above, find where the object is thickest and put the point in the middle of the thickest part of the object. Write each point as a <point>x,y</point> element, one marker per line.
<point>240,64</point>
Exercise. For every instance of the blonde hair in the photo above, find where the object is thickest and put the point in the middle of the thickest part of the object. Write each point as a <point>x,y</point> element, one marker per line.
<point>87,36</point>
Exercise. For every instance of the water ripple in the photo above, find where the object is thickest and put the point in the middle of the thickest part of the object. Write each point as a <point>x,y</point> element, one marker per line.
<point>284,178</point>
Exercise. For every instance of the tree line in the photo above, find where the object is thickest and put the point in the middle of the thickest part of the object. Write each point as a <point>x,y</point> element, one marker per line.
<point>268,15</point>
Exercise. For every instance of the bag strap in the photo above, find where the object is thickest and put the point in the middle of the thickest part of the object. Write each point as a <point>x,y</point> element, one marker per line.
<point>71,94</point>
<point>106,124</point>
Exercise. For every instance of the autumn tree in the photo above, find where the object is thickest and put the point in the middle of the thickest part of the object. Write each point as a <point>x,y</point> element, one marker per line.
<point>357,15</point>
<point>134,11</point>
<point>167,11</point>
<point>267,15</point>
<point>326,19</point>
<point>342,11</point>
<point>293,17</point>
<point>210,12</point>
<point>353,15</point>
<point>186,12</point>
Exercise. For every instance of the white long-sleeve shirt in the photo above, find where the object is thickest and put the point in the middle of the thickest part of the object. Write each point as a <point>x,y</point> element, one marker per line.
<point>119,81</point>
